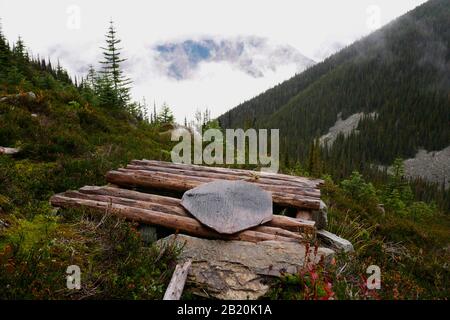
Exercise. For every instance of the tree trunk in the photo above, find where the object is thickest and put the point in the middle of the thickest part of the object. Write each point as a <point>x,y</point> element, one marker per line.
<point>181,223</point>
<point>239,172</point>
<point>171,182</point>
<point>146,200</point>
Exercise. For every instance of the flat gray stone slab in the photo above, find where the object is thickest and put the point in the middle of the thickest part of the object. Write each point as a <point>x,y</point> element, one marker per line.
<point>238,269</point>
<point>229,206</point>
<point>334,241</point>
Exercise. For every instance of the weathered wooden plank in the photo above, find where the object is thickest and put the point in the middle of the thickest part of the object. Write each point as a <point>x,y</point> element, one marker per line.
<point>277,185</point>
<point>135,178</point>
<point>269,175</point>
<point>169,204</point>
<point>9,151</point>
<point>183,224</point>
<point>176,285</point>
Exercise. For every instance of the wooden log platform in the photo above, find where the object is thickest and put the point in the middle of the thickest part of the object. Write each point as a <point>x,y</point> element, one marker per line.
<point>150,176</point>
<point>287,191</point>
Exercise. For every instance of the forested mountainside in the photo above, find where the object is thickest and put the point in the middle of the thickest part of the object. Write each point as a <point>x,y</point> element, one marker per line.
<point>400,73</point>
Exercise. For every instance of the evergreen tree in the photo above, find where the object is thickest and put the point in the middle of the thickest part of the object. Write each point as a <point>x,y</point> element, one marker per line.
<point>91,79</point>
<point>155,114</point>
<point>4,52</point>
<point>114,86</point>
<point>165,115</point>
<point>19,50</point>
<point>314,159</point>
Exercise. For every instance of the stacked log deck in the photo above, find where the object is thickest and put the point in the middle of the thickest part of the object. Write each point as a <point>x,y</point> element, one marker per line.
<point>287,191</point>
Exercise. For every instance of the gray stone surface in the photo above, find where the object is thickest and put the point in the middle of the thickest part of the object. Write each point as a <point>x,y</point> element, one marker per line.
<point>433,166</point>
<point>335,242</point>
<point>14,97</point>
<point>345,127</point>
<point>3,224</point>
<point>239,269</point>
<point>229,206</point>
<point>320,216</point>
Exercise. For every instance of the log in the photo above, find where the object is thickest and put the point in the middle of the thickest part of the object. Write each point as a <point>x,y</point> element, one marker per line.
<point>180,183</point>
<point>240,172</point>
<point>230,176</point>
<point>10,151</point>
<point>266,184</point>
<point>175,210</point>
<point>278,232</point>
<point>145,200</point>
<point>183,224</point>
<point>176,285</point>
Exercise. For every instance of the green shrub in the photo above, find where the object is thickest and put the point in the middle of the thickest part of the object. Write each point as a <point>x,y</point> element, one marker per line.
<point>359,189</point>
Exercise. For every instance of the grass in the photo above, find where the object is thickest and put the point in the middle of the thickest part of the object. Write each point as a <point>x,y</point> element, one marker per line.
<point>412,254</point>
<point>114,263</point>
<point>67,143</point>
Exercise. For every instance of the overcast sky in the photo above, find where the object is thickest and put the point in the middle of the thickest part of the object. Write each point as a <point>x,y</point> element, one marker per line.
<point>198,53</point>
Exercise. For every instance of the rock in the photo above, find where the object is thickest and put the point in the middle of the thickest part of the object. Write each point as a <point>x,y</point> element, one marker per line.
<point>334,241</point>
<point>3,224</point>
<point>344,127</point>
<point>229,206</point>
<point>148,233</point>
<point>320,216</point>
<point>239,269</point>
<point>5,150</point>
<point>15,97</point>
<point>31,95</point>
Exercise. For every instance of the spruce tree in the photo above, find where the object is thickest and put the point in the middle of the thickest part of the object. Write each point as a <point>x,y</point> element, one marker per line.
<point>114,86</point>
<point>19,50</point>
<point>4,52</point>
<point>155,114</point>
<point>91,79</point>
<point>165,115</point>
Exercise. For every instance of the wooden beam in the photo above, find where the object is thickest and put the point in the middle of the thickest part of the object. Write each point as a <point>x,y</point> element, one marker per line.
<point>176,285</point>
<point>181,223</point>
<point>241,172</point>
<point>130,178</point>
<point>146,200</point>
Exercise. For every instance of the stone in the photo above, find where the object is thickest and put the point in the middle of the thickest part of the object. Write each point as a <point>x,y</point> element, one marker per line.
<point>335,242</point>
<point>15,97</point>
<point>31,95</point>
<point>320,216</point>
<point>238,269</point>
<point>3,224</point>
<point>229,206</point>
